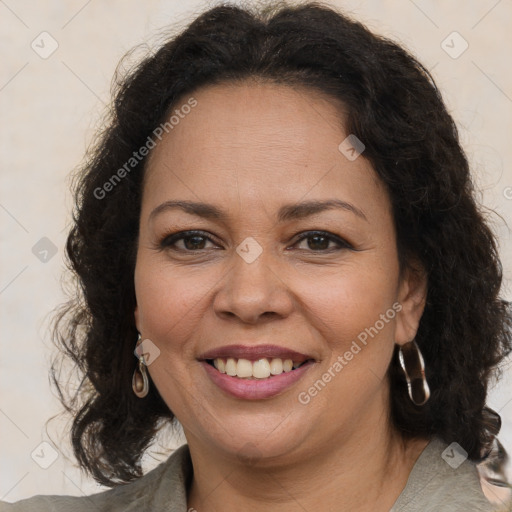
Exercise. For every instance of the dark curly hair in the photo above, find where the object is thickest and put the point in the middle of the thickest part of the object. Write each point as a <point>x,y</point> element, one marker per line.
<point>395,108</point>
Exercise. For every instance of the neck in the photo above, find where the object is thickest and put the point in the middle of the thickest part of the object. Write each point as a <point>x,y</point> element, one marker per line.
<point>366,470</point>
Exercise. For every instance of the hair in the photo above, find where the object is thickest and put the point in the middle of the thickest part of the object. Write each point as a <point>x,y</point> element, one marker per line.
<point>395,109</point>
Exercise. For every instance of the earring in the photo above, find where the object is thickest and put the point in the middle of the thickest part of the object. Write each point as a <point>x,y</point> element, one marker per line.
<point>140,381</point>
<point>413,365</point>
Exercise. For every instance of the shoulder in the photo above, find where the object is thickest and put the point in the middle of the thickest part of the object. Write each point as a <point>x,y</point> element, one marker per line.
<point>443,479</point>
<point>167,482</point>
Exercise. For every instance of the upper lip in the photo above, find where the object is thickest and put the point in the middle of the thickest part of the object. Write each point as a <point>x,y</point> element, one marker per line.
<point>254,352</point>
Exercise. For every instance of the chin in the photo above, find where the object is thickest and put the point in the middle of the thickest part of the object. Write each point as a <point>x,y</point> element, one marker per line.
<point>256,440</point>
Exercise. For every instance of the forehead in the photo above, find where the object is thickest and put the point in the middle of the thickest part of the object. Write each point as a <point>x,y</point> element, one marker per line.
<point>258,139</point>
<point>256,115</point>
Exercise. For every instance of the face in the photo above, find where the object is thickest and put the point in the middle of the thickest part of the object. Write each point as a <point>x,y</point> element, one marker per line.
<point>292,255</point>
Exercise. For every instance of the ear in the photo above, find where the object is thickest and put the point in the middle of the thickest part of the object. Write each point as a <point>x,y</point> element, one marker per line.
<point>138,322</point>
<point>412,296</point>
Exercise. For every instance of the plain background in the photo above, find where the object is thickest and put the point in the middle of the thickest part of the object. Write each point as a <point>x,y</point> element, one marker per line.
<point>50,108</point>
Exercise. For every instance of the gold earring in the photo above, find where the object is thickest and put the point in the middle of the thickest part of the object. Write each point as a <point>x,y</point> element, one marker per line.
<point>140,381</point>
<point>413,365</point>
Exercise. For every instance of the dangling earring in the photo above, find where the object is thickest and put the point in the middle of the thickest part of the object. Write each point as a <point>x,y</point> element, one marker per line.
<point>140,381</point>
<point>413,366</point>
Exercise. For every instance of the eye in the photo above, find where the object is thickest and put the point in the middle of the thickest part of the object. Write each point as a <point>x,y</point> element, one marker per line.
<point>192,241</point>
<point>319,241</point>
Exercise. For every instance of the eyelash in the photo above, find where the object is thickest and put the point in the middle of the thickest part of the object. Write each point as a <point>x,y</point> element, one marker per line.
<point>168,240</point>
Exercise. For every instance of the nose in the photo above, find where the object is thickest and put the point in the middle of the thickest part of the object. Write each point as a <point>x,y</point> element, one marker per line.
<point>253,292</point>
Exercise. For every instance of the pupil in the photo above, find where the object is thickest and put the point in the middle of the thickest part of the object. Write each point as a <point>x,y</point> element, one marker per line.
<point>320,245</point>
<point>195,240</point>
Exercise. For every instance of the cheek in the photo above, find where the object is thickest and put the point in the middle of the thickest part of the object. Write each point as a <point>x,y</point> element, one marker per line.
<point>348,302</point>
<point>356,318</point>
<point>169,302</point>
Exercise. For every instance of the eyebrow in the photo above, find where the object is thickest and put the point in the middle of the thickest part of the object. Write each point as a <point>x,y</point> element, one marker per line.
<point>286,213</point>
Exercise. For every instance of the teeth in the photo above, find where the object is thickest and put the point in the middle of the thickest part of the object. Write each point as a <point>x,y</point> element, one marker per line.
<point>276,366</point>
<point>231,367</point>
<point>244,368</point>
<point>261,369</point>
<point>220,365</point>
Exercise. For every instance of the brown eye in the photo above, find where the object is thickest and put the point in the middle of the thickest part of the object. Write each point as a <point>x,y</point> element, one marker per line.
<point>192,241</point>
<point>318,241</point>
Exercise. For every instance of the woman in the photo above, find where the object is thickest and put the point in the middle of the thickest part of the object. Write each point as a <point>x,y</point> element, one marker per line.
<point>279,222</point>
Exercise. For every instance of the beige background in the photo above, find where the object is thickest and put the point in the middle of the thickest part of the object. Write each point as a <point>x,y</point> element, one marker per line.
<point>49,110</point>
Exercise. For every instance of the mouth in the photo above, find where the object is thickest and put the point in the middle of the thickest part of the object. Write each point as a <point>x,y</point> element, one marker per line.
<point>255,362</point>
<point>255,372</point>
<point>263,368</point>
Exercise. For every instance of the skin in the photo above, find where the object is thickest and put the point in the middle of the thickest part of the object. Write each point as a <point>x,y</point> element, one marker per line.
<point>249,149</point>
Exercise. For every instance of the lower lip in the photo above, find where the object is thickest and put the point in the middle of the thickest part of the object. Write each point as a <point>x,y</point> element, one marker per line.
<point>256,389</point>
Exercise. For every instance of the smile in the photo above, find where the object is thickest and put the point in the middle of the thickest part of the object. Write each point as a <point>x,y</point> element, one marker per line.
<point>255,372</point>
<point>261,369</point>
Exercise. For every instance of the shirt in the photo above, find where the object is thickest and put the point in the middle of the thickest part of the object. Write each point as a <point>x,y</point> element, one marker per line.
<point>438,482</point>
